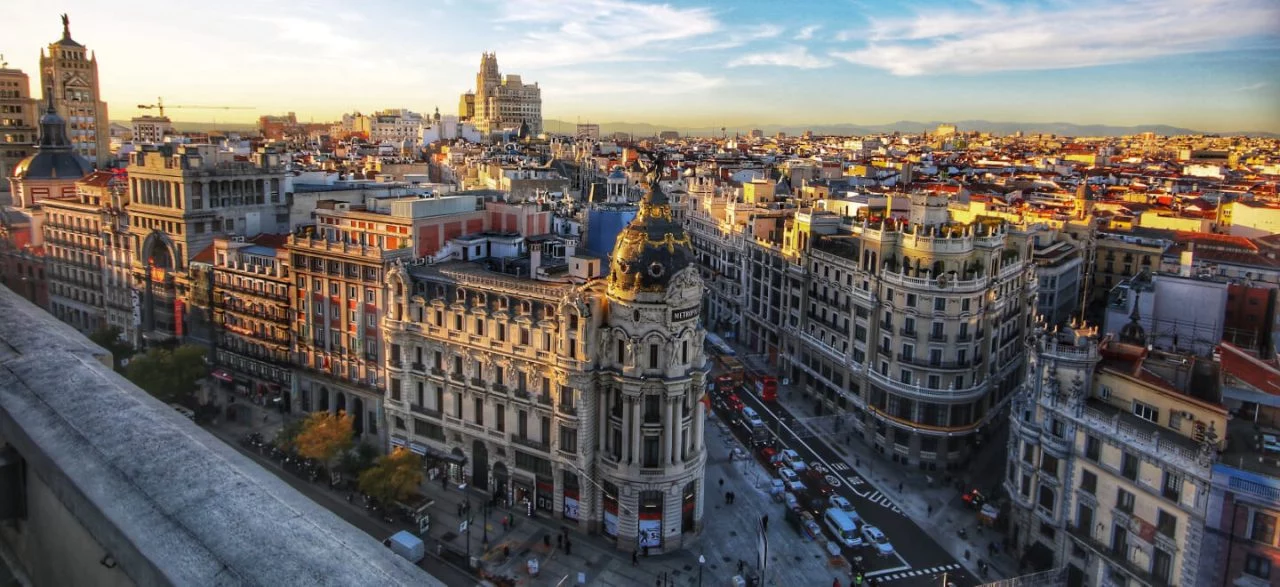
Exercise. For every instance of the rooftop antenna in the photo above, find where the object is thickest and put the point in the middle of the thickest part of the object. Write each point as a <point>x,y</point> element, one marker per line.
<point>3,64</point>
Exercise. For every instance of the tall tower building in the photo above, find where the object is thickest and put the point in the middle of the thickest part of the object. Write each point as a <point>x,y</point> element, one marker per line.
<point>72,73</point>
<point>17,120</point>
<point>502,103</point>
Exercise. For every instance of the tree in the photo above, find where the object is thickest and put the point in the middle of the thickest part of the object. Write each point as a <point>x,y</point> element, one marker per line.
<point>395,477</point>
<point>324,436</point>
<point>169,375</point>
<point>288,433</point>
<point>109,338</point>
<point>354,462</point>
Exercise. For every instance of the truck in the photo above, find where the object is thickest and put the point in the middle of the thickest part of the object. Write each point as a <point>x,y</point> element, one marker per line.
<point>408,546</point>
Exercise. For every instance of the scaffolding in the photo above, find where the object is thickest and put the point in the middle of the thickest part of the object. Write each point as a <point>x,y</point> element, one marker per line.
<point>1051,578</point>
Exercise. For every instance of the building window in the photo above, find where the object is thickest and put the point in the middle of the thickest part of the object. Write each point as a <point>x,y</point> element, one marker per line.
<point>395,390</point>
<point>1084,518</point>
<point>1049,465</point>
<point>1263,528</point>
<point>1088,482</point>
<point>1166,523</point>
<point>653,356</point>
<point>479,408</point>
<point>1172,487</point>
<point>1124,501</point>
<point>1092,448</point>
<point>1146,412</point>
<point>651,451</point>
<point>940,304</point>
<point>1161,565</point>
<point>1129,466</point>
<point>568,440</point>
<point>500,417</point>
<point>399,423</point>
<point>1048,500</point>
<point>1257,566</point>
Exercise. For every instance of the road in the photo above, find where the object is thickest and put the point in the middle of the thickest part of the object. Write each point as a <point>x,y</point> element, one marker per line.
<point>918,558</point>
<point>353,514</point>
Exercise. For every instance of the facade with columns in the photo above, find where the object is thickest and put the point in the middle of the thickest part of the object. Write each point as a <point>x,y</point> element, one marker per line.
<point>1111,447</point>
<point>180,198</point>
<point>582,398</point>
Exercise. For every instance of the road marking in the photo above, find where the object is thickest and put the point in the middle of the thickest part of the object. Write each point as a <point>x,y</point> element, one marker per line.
<point>906,573</point>
<point>854,481</point>
<point>839,466</point>
<point>887,571</point>
<point>892,507</point>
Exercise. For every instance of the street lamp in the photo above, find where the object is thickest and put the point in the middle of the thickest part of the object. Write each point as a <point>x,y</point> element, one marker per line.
<point>466,514</point>
<point>484,544</point>
<point>702,561</point>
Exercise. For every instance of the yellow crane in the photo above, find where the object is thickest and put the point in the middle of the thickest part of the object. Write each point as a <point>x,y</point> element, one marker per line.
<point>160,105</point>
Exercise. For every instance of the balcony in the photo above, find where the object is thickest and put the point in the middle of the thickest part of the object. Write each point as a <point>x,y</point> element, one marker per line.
<point>938,337</point>
<point>425,411</point>
<point>909,333</point>
<point>1112,555</point>
<point>82,464</point>
<point>530,443</point>
<point>966,337</point>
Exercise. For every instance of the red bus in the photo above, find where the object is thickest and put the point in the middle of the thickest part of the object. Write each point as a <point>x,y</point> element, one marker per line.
<point>766,387</point>
<point>726,383</point>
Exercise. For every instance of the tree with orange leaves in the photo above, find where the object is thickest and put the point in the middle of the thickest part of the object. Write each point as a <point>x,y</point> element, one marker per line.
<point>324,436</point>
<point>394,478</point>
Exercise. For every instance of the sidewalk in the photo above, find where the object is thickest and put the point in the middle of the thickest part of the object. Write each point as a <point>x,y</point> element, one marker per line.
<point>924,497</point>
<point>728,536</point>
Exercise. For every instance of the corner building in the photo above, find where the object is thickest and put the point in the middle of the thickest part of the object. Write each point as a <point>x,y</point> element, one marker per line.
<point>585,399</point>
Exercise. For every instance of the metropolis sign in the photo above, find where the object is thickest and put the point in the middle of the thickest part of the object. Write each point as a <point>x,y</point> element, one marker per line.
<point>684,314</point>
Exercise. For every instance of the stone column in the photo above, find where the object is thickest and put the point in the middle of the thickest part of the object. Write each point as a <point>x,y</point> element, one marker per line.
<point>602,421</point>
<point>627,420</point>
<point>668,430</point>
<point>677,456</point>
<point>698,419</point>
<point>636,417</point>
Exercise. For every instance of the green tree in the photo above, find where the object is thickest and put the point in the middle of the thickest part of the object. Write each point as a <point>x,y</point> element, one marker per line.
<point>169,375</point>
<point>324,436</point>
<point>393,478</point>
<point>354,462</point>
<point>288,433</point>
<point>109,338</point>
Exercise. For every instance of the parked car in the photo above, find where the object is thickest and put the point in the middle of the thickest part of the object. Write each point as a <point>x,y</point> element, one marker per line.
<point>752,418</point>
<point>840,503</point>
<point>873,537</point>
<point>793,503</point>
<point>792,480</point>
<point>790,457</point>
<point>767,456</point>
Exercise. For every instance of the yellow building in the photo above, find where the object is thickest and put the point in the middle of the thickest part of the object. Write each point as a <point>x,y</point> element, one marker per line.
<point>1110,455</point>
<point>70,71</point>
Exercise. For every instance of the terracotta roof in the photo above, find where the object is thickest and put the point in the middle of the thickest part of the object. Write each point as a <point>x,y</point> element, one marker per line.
<point>275,241</point>
<point>204,256</point>
<point>1218,240</point>
<point>98,179</point>
<point>1254,372</point>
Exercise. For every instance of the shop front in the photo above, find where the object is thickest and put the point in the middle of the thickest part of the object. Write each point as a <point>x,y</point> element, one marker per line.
<point>570,506</point>
<point>544,497</point>
<point>651,519</point>
<point>609,503</point>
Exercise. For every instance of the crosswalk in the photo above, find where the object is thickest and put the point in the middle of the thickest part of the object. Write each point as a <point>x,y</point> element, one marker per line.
<point>918,573</point>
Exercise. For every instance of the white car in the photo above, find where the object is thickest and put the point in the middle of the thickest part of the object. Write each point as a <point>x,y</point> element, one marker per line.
<point>752,418</point>
<point>840,503</point>
<point>873,537</point>
<point>791,480</point>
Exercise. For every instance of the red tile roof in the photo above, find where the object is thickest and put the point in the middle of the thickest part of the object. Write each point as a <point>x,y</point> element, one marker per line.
<point>98,179</point>
<point>1254,372</point>
<point>205,256</point>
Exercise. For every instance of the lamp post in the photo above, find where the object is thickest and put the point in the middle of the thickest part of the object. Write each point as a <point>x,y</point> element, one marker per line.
<point>466,515</point>
<point>484,544</point>
<point>702,561</point>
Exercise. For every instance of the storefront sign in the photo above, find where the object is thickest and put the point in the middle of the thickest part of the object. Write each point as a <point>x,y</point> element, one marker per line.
<point>419,449</point>
<point>570,506</point>
<point>684,314</point>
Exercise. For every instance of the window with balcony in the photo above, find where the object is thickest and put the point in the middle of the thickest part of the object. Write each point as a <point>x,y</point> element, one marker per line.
<point>500,417</point>
<point>568,439</point>
<point>522,424</point>
<point>1028,453</point>
<point>479,410</point>
<point>1084,518</point>
<point>395,390</point>
<point>1049,465</point>
<point>1263,528</point>
<point>1088,482</point>
<point>457,405</point>
<point>1120,542</point>
<point>1166,523</point>
<point>1129,466</point>
<point>1048,500</point>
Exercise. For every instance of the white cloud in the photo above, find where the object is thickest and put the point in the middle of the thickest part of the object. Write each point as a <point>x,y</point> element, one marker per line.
<point>806,33</point>
<point>742,36</point>
<point>1252,87</point>
<point>1007,36</point>
<point>791,56</point>
<point>655,83</point>
<point>568,32</point>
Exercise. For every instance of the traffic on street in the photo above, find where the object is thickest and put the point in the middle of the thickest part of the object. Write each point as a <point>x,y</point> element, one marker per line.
<point>823,495</point>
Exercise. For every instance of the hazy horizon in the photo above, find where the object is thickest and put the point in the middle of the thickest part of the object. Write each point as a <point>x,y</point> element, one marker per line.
<point>1204,65</point>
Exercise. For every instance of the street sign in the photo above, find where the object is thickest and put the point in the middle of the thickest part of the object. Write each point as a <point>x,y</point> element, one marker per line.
<point>462,526</point>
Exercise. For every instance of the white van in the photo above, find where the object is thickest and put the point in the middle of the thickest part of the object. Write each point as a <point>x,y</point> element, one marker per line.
<point>843,528</point>
<point>406,545</point>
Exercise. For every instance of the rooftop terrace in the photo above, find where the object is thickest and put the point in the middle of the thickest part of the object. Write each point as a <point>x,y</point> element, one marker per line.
<point>103,484</point>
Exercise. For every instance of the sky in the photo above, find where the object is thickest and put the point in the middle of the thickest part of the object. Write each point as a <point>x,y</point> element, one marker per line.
<point>1211,65</point>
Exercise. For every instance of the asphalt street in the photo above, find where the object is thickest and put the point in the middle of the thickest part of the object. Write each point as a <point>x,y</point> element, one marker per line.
<point>918,559</point>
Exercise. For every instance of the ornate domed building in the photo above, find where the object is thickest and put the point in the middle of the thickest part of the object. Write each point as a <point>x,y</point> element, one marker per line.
<point>580,398</point>
<point>54,169</point>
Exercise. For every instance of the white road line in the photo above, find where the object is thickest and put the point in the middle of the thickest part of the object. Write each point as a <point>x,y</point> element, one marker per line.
<point>887,571</point>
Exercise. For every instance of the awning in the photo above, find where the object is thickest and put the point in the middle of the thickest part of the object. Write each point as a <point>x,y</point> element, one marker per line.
<point>418,449</point>
<point>222,375</point>
<point>395,441</point>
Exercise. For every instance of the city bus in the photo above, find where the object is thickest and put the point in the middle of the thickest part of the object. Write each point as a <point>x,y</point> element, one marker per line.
<point>766,387</point>
<point>732,368</point>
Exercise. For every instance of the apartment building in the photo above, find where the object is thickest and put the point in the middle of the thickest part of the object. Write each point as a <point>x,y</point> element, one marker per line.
<point>718,246</point>
<point>76,254</point>
<point>1058,269</point>
<point>579,397</point>
<point>252,289</point>
<point>915,328</point>
<point>18,114</point>
<point>1110,454</point>
<point>502,102</point>
<point>150,129</point>
<point>181,197</point>
<point>1119,255</point>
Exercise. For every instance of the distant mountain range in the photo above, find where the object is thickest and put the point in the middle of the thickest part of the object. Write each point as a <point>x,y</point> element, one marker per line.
<point>905,126</point>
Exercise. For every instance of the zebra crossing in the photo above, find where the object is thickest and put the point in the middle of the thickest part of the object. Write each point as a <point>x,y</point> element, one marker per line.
<point>918,573</point>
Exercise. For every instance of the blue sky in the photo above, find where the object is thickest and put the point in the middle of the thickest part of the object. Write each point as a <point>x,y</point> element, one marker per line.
<point>1204,64</point>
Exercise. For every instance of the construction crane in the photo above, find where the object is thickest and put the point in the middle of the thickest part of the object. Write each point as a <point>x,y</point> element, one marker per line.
<point>160,105</point>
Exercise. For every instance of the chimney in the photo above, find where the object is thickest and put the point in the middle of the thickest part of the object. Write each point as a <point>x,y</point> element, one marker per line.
<point>535,259</point>
<point>1187,260</point>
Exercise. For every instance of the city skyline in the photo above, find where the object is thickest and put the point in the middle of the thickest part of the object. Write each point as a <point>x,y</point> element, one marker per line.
<point>1208,66</point>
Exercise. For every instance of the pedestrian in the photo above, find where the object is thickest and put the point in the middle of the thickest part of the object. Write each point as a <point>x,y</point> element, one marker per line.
<point>835,582</point>
<point>504,523</point>
<point>459,509</point>
<point>930,509</point>
<point>741,565</point>
<point>568,547</point>
<point>635,558</point>
<point>546,540</point>
<point>899,487</point>
<point>559,540</point>
<point>722,483</point>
